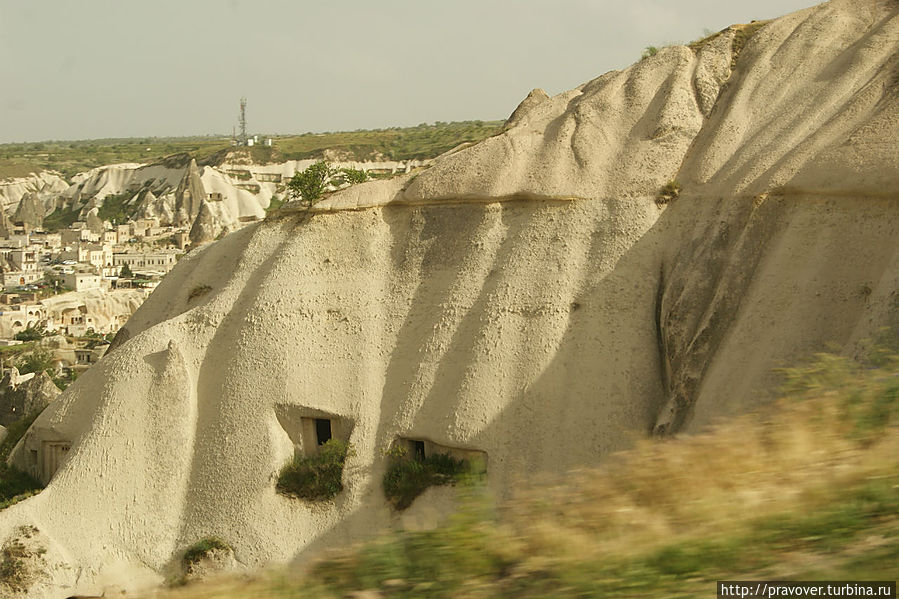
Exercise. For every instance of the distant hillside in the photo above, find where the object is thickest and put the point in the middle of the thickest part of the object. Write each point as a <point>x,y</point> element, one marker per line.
<point>71,157</point>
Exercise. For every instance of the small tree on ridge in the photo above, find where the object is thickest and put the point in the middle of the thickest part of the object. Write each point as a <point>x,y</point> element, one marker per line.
<point>310,184</point>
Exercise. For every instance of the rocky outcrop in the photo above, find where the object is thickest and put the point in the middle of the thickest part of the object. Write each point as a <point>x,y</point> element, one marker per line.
<point>190,193</point>
<point>30,211</point>
<point>149,207</point>
<point>205,227</point>
<point>94,222</point>
<point>533,99</point>
<point>526,297</point>
<point>6,225</point>
<point>170,191</point>
<point>23,395</point>
<point>44,184</point>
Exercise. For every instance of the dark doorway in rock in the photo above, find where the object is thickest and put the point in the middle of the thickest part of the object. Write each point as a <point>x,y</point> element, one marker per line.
<point>418,450</point>
<point>322,430</point>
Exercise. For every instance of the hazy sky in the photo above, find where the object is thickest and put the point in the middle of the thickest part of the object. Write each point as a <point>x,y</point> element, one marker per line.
<point>81,69</point>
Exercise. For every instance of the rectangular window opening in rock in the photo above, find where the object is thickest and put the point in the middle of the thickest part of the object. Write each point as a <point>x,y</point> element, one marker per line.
<point>421,449</point>
<point>310,428</point>
<point>322,430</point>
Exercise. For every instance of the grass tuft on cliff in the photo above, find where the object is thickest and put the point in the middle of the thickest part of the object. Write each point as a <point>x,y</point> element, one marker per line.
<point>316,477</point>
<point>202,548</point>
<point>407,477</point>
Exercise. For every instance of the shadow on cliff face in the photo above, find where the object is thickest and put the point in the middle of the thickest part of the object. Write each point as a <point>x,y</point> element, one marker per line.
<point>519,325</point>
<point>599,385</point>
<point>689,325</point>
<point>478,337</point>
<point>750,284</point>
<point>808,492</point>
<point>546,335</point>
<point>711,261</point>
<point>443,248</point>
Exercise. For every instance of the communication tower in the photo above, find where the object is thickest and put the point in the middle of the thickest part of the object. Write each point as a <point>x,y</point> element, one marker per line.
<point>242,140</point>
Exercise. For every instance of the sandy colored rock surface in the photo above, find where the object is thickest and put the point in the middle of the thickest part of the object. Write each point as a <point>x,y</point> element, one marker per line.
<point>22,395</point>
<point>171,191</point>
<point>43,184</point>
<point>30,210</point>
<point>525,297</point>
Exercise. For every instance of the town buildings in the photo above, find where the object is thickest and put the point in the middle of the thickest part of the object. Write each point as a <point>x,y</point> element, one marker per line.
<point>70,280</point>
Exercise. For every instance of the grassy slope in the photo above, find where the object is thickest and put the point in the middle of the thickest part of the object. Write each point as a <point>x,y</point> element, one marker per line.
<point>423,141</point>
<point>807,490</point>
<point>70,157</point>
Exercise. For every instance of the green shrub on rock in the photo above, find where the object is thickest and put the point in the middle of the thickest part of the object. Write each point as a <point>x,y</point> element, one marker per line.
<point>317,477</point>
<point>202,548</point>
<point>408,477</point>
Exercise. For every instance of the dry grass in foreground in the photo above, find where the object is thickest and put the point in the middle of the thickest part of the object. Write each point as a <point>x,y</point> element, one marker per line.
<point>807,490</point>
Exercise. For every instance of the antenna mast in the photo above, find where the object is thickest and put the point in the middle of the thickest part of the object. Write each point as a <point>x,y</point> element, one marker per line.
<point>243,122</point>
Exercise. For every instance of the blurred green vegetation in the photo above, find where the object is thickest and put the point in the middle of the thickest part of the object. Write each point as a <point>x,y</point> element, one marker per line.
<point>8,351</point>
<point>407,476</point>
<point>71,157</point>
<point>202,548</point>
<point>38,360</point>
<point>422,141</point>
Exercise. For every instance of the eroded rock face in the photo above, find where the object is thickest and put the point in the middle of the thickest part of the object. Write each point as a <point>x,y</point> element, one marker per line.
<point>30,211</point>
<point>152,207</point>
<point>533,99</point>
<point>205,227</point>
<point>31,566</point>
<point>43,184</point>
<point>94,222</point>
<point>20,398</point>
<point>6,225</point>
<point>525,297</point>
<point>190,193</point>
<point>171,190</point>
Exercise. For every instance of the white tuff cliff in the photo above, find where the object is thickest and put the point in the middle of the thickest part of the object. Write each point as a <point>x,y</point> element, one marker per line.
<point>525,297</point>
<point>171,191</point>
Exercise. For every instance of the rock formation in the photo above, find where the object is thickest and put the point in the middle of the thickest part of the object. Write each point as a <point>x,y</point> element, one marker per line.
<point>190,193</point>
<point>533,99</point>
<point>23,395</point>
<point>94,222</point>
<point>527,297</point>
<point>47,183</point>
<point>150,207</point>
<point>6,225</point>
<point>170,190</point>
<point>30,211</point>
<point>205,227</point>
